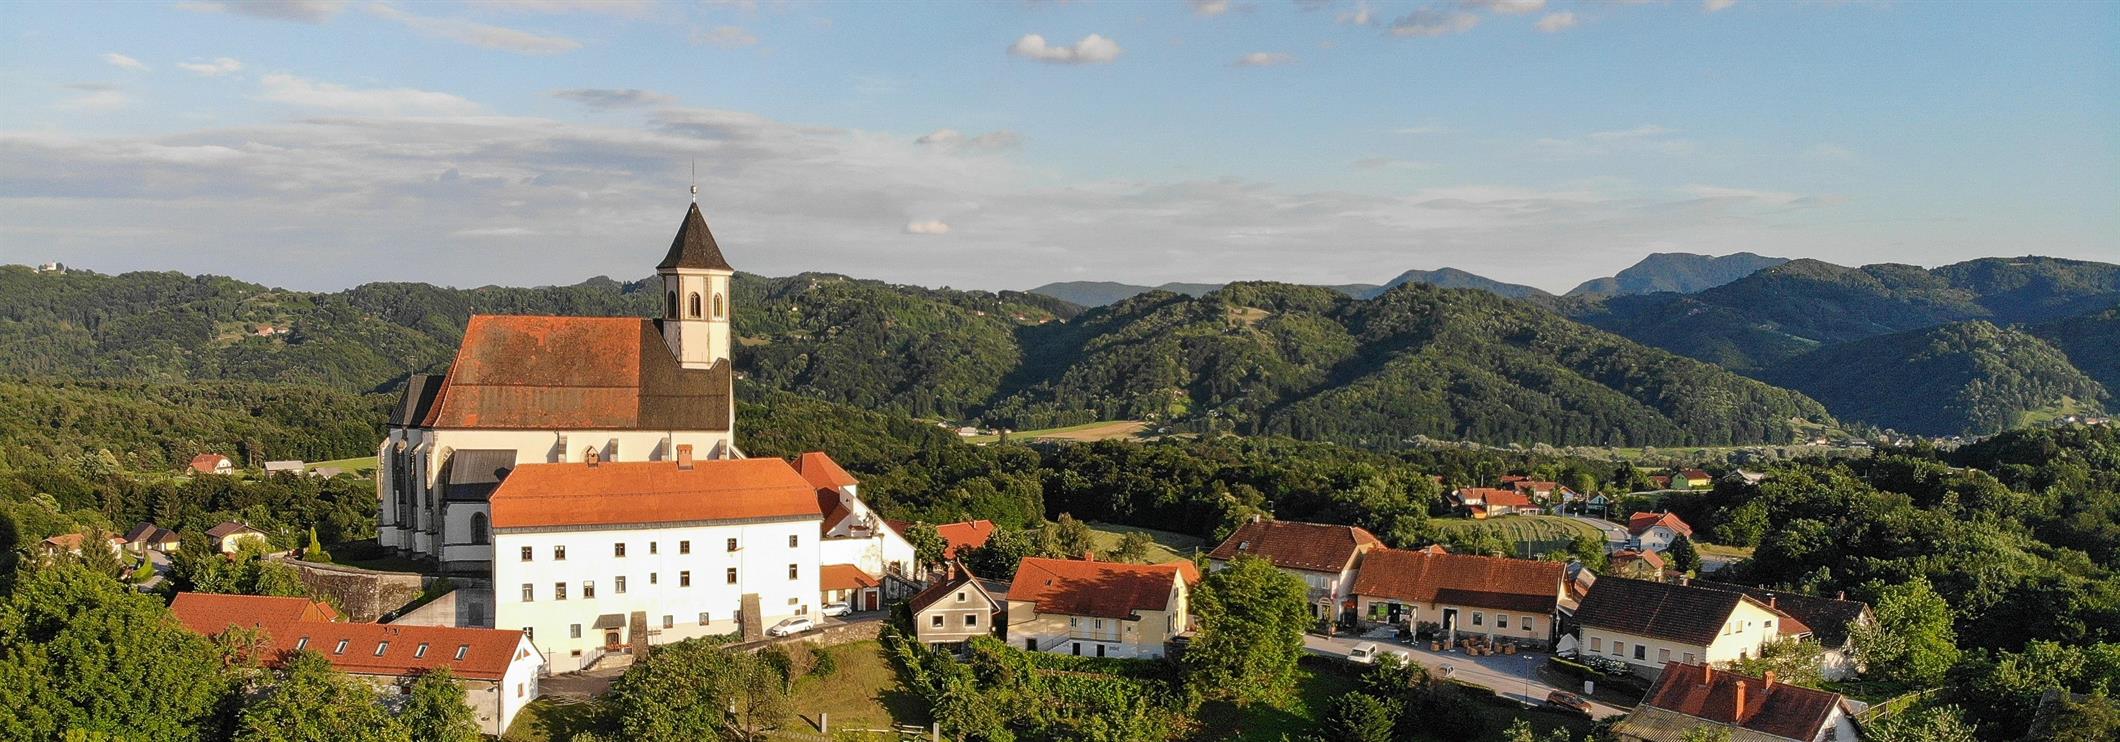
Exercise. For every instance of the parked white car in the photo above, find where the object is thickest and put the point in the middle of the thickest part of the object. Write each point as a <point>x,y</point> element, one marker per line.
<point>1363,653</point>
<point>791,627</point>
<point>837,609</point>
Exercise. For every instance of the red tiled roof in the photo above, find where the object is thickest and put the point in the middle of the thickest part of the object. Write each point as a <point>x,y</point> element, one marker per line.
<point>72,541</point>
<point>294,624</point>
<point>1317,547</point>
<point>1649,557</point>
<point>843,577</point>
<point>205,463</point>
<point>1691,474</point>
<point>1726,697</point>
<point>1493,497</point>
<point>1640,523</point>
<point>618,493</point>
<point>823,472</point>
<point>1460,579</point>
<point>1071,587</point>
<point>575,373</point>
<point>212,613</point>
<point>969,534</point>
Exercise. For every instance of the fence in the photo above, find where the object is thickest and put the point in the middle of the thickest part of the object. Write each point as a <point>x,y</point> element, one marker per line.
<point>1893,705</point>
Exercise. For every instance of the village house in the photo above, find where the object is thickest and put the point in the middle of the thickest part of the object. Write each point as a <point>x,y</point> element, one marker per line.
<point>1831,621</point>
<point>1655,531</point>
<point>958,537</point>
<point>1648,624</point>
<point>147,537</point>
<point>498,669</point>
<point>1462,594</point>
<point>1486,502</point>
<point>846,584</point>
<point>1325,556</point>
<point>293,467</point>
<point>1691,696</point>
<point>1099,609</point>
<point>212,463</point>
<point>228,536</point>
<point>1691,479</point>
<point>71,543</point>
<point>958,607</point>
<point>1636,564</point>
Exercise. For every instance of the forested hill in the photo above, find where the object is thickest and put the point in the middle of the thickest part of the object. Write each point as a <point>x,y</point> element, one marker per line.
<point>1971,377</point>
<point>1417,360</point>
<point>1794,308</point>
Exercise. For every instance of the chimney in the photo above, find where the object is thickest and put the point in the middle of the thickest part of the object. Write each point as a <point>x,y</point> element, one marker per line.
<point>1769,680</point>
<point>684,456</point>
<point>1682,580</point>
<point>1089,555</point>
<point>1707,674</point>
<point>1770,600</point>
<point>1842,595</point>
<point>1254,517</point>
<point>1737,714</point>
<point>592,458</point>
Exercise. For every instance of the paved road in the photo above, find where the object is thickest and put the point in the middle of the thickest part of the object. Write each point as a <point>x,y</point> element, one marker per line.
<point>1506,674</point>
<point>1615,534</point>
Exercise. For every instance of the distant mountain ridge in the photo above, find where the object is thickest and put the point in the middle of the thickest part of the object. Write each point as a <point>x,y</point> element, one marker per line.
<point>1105,293</point>
<point>1679,272</point>
<point>1963,378</point>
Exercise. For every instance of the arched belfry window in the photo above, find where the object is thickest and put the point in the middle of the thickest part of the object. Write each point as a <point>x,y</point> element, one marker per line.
<point>670,309</point>
<point>480,533</point>
<point>695,305</point>
<point>719,308</point>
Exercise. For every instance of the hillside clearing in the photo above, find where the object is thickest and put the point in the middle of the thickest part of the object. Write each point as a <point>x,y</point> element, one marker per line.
<point>1533,534</point>
<point>1084,433</point>
<point>1169,547</point>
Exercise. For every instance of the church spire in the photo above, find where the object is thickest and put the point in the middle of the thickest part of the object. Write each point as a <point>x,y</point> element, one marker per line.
<point>694,247</point>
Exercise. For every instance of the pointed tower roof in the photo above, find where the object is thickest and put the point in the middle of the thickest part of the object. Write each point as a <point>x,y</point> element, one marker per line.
<point>694,247</point>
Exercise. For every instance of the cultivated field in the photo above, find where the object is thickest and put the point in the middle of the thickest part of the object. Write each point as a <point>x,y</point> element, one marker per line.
<point>1085,432</point>
<point>1533,534</point>
<point>1170,547</point>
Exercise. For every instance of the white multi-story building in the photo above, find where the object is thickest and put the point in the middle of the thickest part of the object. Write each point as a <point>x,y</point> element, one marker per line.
<point>588,467</point>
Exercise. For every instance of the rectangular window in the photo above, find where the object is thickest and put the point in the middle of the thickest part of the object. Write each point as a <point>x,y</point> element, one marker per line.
<point>381,647</point>
<point>559,591</point>
<point>529,593</point>
<point>651,577</point>
<point>1597,644</point>
<point>559,553</point>
<point>793,540</point>
<point>461,650</point>
<point>935,620</point>
<point>526,553</point>
<point>732,544</point>
<point>1641,652</point>
<point>971,619</point>
<point>618,584</point>
<point>341,648</point>
<point>651,547</point>
<point>1476,618</point>
<point>419,651</point>
<point>1527,623</point>
<point>1663,655</point>
<point>669,620</point>
<point>574,631</point>
<point>1619,648</point>
<point>684,579</point>
<point>302,643</point>
<point>732,575</point>
<point>1689,658</point>
<point>588,589</point>
<point>703,619</point>
<point>684,547</point>
<point>960,596</point>
<point>618,549</point>
<point>1501,620</point>
<point>792,569</point>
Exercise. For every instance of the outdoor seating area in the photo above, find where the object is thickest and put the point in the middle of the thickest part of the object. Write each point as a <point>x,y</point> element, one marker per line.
<point>1478,646</point>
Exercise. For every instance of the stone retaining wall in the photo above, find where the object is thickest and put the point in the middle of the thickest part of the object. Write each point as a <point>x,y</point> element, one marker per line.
<point>364,594</point>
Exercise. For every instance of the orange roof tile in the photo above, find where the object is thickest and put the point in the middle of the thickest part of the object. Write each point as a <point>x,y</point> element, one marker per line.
<point>297,623</point>
<point>844,577</point>
<point>1316,547</point>
<point>970,534</point>
<point>618,493</point>
<point>205,463</point>
<point>1071,587</point>
<point>1640,523</point>
<point>1725,697</point>
<point>1460,579</point>
<point>1493,497</point>
<point>562,373</point>
<point>212,613</point>
<point>821,470</point>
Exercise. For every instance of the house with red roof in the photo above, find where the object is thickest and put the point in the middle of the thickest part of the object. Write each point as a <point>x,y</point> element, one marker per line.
<point>969,534</point>
<point>1517,599</point>
<point>1324,555</point>
<point>1487,502</point>
<point>1099,609</point>
<point>497,668</point>
<point>212,463</point>
<point>1648,624</point>
<point>1691,478</point>
<point>1656,531</point>
<point>1637,564</point>
<point>1688,697</point>
<point>958,607</point>
<point>71,543</point>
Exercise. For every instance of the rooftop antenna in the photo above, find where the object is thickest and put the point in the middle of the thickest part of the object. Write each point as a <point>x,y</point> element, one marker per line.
<point>695,180</point>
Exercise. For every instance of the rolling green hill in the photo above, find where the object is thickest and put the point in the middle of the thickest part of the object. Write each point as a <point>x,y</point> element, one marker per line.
<point>2092,343</point>
<point>1969,377</point>
<point>1680,272</point>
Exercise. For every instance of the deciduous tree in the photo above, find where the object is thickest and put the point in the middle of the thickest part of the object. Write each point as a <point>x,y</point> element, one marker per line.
<point>1252,618</point>
<point>435,710</point>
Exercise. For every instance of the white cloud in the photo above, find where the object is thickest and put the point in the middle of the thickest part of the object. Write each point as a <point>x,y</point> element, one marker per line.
<point>95,99</point>
<point>726,36</point>
<point>296,91</point>
<point>1645,139</point>
<point>477,34</point>
<point>1714,6</point>
<point>1264,59</point>
<point>997,139</point>
<point>1506,7</point>
<point>1556,22</point>
<point>300,11</point>
<point>1359,16</point>
<point>1209,7</point>
<point>931,226</point>
<point>1092,49</point>
<point>216,68</point>
<point>624,8</point>
<point>494,232</point>
<point>1640,132</point>
<point>1774,198</point>
<point>1430,22</point>
<point>123,62</point>
<point>614,97</point>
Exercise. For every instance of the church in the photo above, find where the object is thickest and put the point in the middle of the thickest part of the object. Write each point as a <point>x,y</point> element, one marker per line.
<point>582,476</point>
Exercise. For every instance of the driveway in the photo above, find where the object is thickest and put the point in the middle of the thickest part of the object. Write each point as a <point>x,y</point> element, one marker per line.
<point>1615,534</point>
<point>1511,676</point>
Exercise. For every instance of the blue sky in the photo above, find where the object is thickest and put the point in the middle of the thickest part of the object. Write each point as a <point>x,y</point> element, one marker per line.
<point>320,144</point>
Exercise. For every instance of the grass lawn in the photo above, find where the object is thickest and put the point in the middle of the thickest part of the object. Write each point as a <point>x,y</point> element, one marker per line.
<point>362,465</point>
<point>865,693</point>
<point>1096,431</point>
<point>1169,547</point>
<point>1318,681</point>
<point>1733,552</point>
<point>366,555</point>
<point>550,720</point>
<point>1533,534</point>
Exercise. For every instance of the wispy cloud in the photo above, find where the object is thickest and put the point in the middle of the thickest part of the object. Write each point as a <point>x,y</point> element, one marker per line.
<point>1506,7</point>
<point>929,227</point>
<point>1211,8</point>
<point>1264,59</point>
<point>494,232</point>
<point>94,97</point>
<point>296,91</point>
<point>614,97</point>
<point>477,34</point>
<point>997,139</point>
<point>299,11</point>
<point>1557,22</point>
<point>1433,22</point>
<point>1377,163</point>
<point>123,62</point>
<point>1359,15</point>
<point>1647,138</point>
<point>1714,6</point>
<point>622,8</point>
<point>1092,49</point>
<point>725,36</point>
<point>218,67</point>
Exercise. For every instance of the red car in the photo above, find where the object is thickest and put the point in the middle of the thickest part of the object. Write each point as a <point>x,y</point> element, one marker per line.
<point>1566,700</point>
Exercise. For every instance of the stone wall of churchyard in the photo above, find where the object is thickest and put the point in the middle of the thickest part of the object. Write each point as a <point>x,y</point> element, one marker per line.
<point>363,594</point>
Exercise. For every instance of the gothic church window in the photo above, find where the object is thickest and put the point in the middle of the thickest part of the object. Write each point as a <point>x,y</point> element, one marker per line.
<point>695,306</point>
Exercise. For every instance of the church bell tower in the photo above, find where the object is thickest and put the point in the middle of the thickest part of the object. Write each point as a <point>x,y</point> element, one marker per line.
<point>695,281</point>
